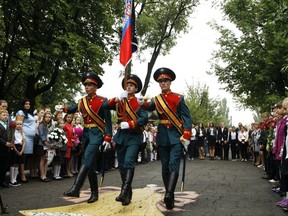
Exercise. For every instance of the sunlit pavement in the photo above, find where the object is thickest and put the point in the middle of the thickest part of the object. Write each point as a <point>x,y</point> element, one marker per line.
<point>211,188</point>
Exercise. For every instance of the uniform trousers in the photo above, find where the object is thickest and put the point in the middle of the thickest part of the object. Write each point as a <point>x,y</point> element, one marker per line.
<point>92,138</point>
<point>170,156</point>
<point>225,150</point>
<point>126,155</point>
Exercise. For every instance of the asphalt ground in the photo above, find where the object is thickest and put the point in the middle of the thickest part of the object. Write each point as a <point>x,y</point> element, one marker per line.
<point>212,188</point>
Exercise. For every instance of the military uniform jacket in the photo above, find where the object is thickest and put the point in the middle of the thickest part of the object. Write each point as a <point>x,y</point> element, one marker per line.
<point>167,132</point>
<point>133,135</point>
<point>95,103</point>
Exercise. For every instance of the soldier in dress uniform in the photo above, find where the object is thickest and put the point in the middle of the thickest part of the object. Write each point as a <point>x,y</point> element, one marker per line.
<point>129,136</point>
<point>97,134</point>
<point>174,130</point>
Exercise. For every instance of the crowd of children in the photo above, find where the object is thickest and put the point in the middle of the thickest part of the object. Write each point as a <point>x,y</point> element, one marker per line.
<point>56,144</point>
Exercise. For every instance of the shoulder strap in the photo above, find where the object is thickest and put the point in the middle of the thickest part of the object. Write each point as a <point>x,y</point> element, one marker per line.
<point>93,115</point>
<point>132,114</point>
<point>171,115</point>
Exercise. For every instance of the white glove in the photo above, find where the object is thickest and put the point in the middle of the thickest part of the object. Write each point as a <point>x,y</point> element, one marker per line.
<point>140,100</point>
<point>105,146</point>
<point>124,125</point>
<point>185,144</point>
<point>123,95</point>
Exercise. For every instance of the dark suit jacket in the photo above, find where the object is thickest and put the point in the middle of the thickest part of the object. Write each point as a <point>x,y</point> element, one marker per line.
<point>3,139</point>
<point>223,135</point>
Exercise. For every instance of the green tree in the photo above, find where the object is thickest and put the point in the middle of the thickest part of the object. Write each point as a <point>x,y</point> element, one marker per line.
<point>252,60</point>
<point>49,42</point>
<point>205,109</point>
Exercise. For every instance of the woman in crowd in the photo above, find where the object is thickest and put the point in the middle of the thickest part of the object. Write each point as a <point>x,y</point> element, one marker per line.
<point>233,139</point>
<point>25,115</point>
<point>256,133</point>
<point>211,137</point>
<point>201,139</point>
<point>35,160</point>
<point>243,139</point>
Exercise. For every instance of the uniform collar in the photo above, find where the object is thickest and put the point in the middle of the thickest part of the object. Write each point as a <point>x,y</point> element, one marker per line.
<point>92,96</point>
<point>130,97</point>
<point>166,92</point>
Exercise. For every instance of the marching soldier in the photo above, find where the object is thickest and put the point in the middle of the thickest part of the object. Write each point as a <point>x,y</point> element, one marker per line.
<point>129,136</point>
<point>174,130</point>
<point>97,134</point>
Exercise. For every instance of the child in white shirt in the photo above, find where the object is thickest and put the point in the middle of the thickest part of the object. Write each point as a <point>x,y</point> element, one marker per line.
<point>17,156</point>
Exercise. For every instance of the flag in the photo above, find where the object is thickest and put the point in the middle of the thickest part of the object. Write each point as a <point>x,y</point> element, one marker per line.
<point>128,40</point>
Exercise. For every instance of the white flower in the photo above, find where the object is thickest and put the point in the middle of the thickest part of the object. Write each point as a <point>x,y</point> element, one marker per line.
<point>57,138</point>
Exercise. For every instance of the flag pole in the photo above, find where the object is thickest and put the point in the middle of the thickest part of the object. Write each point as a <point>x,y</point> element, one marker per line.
<point>128,44</point>
<point>103,167</point>
<point>183,172</point>
<point>125,87</point>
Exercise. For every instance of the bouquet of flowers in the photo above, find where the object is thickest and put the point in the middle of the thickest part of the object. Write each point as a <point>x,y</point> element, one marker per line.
<point>57,138</point>
<point>11,131</point>
<point>268,128</point>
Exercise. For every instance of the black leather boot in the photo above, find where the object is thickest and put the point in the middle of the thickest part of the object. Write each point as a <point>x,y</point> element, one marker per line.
<point>123,174</point>
<point>126,193</point>
<point>169,196</point>
<point>74,191</point>
<point>165,178</point>
<point>92,176</point>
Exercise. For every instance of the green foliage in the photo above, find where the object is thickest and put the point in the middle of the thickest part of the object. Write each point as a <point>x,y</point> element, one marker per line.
<point>252,60</point>
<point>205,109</point>
<point>161,21</point>
<point>49,44</point>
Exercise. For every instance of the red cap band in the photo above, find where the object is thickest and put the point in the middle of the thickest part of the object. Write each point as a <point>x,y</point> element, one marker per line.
<point>132,81</point>
<point>90,80</point>
<point>164,76</point>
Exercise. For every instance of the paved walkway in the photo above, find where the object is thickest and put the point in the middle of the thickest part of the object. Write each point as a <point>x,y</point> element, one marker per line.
<point>212,188</point>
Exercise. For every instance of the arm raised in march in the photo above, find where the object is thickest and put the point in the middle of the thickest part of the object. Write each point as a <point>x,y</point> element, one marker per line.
<point>147,105</point>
